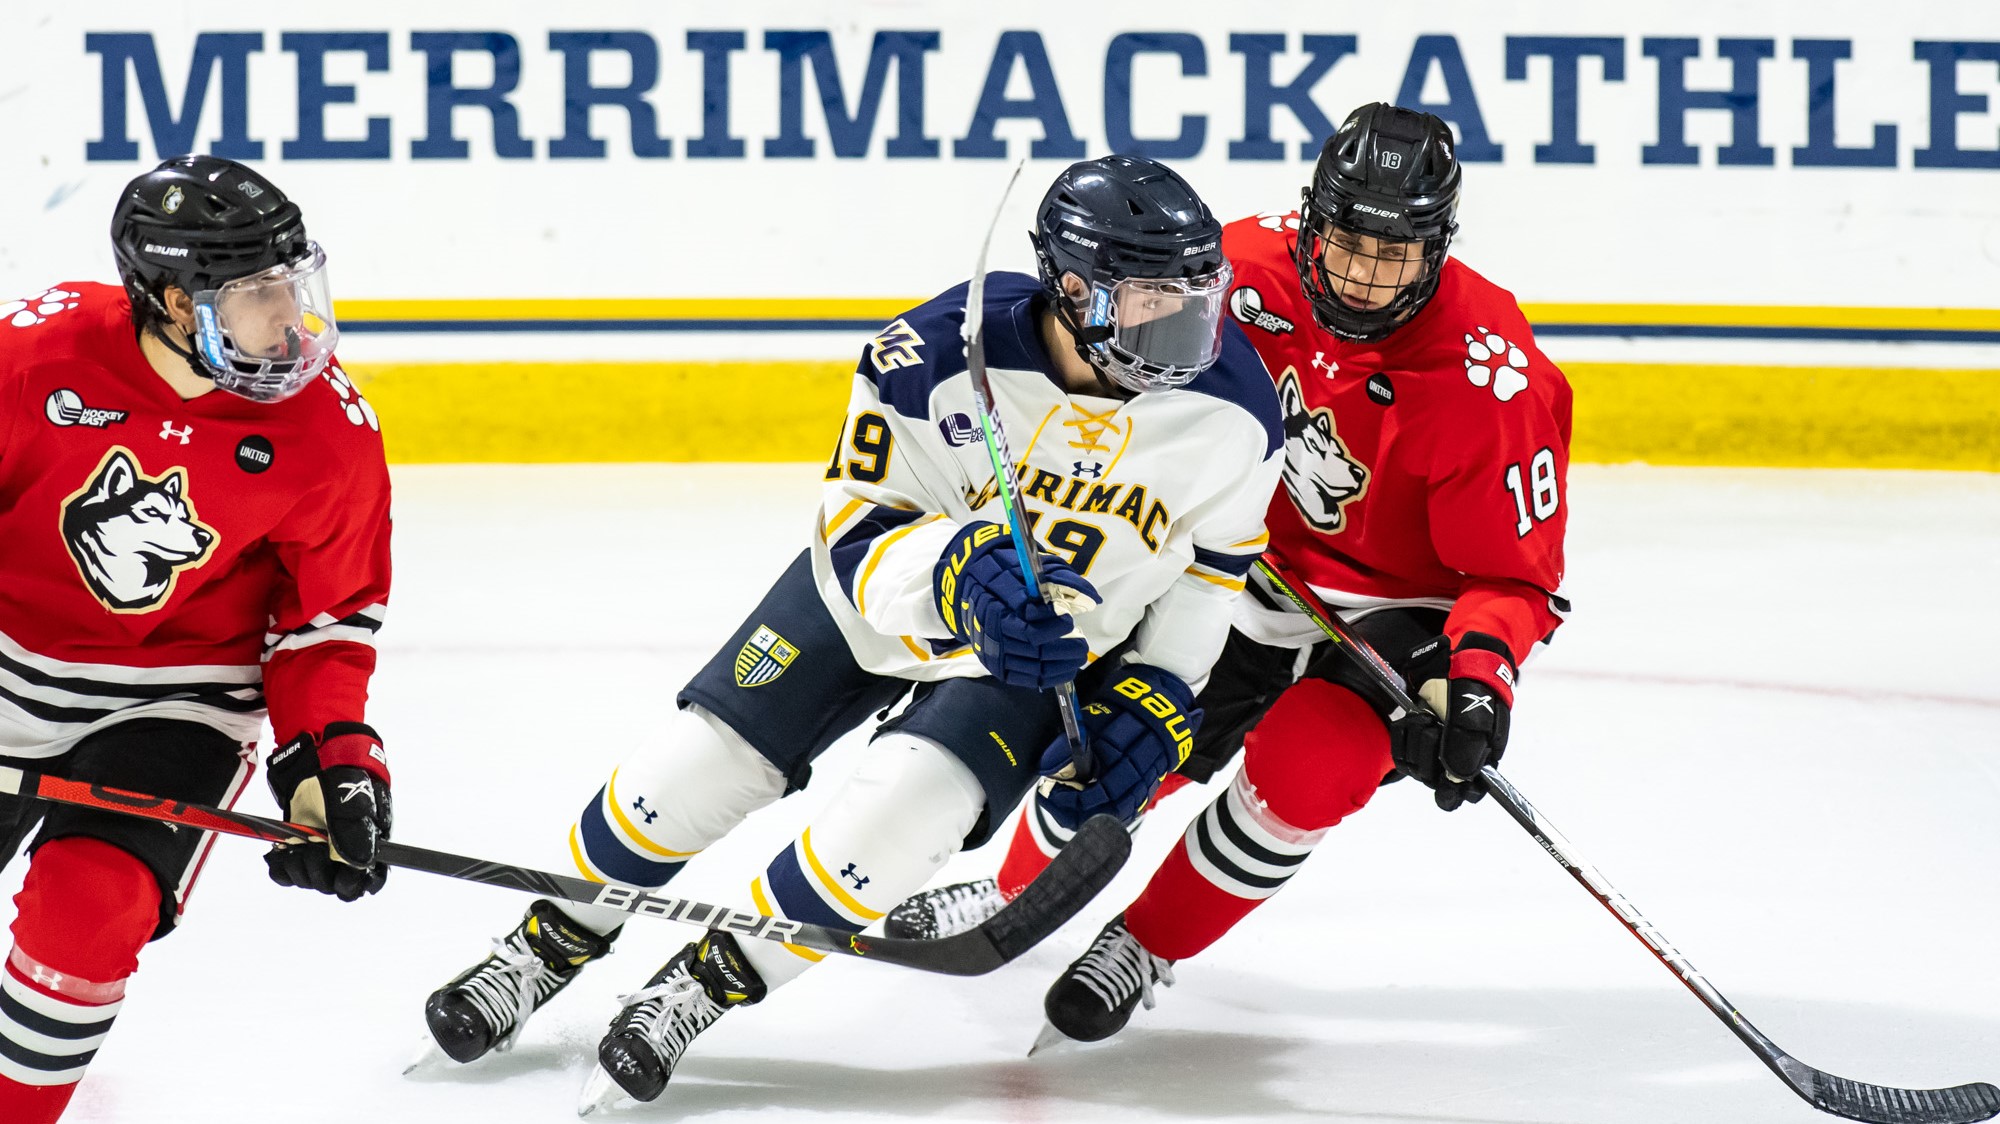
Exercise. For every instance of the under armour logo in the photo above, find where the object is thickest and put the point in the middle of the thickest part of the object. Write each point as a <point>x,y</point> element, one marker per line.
<point>46,976</point>
<point>351,789</point>
<point>1475,701</point>
<point>167,430</point>
<point>848,872</point>
<point>1323,363</point>
<point>639,806</point>
<point>1091,469</point>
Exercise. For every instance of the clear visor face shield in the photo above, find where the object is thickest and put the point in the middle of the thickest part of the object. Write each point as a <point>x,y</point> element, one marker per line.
<point>1163,331</point>
<point>267,335</point>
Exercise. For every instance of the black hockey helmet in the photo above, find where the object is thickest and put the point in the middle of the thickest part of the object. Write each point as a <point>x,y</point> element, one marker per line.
<point>1390,173</point>
<point>1149,252</point>
<point>231,240</point>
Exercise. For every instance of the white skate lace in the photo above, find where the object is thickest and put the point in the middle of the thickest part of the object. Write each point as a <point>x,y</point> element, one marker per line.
<point>1117,965</point>
<point>507,988</point>
<point>957,909</point>
<point>656,1014</point>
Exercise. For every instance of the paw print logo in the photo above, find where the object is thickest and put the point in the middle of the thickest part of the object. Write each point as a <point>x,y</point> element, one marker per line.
<point>37,310</point>
<point>1491,361</point>
<point>1278,220</point>
<point>356,408</point>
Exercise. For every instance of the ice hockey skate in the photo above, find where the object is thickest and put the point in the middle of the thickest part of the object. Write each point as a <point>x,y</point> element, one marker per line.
<point>698,986</point>
<point>945,911</point>
<point>485,1007</point>
<point>1094,998</point>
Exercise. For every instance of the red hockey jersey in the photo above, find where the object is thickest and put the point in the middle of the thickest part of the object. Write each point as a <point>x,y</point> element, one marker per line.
<point>190,559</point>
<point>1427,467</point>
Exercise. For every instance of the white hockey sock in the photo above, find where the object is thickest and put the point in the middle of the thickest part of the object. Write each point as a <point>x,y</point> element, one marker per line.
<point>667,802</point>
<point>893,825</point>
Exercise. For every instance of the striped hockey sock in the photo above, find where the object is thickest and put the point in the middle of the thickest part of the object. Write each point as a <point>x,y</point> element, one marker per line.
<point>84,911</point>
<point>51,1025</point>
<point>1233,856</point>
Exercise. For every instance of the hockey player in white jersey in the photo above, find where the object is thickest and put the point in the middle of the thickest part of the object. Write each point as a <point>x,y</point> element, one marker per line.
<point>1148,440</point>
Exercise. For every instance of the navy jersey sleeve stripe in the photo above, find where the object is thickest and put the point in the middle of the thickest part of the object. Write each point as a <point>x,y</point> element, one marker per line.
<point>853,546</point>
<point>1235,565</point>
<point>1240,378</point>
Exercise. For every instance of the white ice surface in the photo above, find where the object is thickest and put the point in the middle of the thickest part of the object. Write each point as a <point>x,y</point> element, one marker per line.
<point>1771,723</point>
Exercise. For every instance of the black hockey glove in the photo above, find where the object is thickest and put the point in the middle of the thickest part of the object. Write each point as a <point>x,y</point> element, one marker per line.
<point>1470,693</point>
<point>1140,727</point>
<point>984,600</point>
<point>338,782</point>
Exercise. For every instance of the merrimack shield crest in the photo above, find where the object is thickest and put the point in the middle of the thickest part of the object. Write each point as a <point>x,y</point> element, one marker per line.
<point>763,657</point>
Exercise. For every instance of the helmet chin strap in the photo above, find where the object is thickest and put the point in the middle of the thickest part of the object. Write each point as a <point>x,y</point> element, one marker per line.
<point>1082,338</point>
<point>187,354</point>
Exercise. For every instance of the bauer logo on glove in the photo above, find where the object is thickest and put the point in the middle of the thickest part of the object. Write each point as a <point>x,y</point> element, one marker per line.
<point>1141,728</point>
<point>1174,723</point>
<point>983,600</point>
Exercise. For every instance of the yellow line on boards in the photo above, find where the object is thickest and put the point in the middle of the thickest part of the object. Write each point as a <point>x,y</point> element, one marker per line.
<point>886,308</point>
<point>1794,417</point>
<point>791,411</point>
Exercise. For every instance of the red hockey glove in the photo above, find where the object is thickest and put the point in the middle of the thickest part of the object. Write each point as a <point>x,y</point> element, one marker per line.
<point>338,782</point>
<point>1470,695</point>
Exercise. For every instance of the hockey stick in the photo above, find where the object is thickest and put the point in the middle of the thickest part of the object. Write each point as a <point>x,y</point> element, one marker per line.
<point>1049,901</point>
<point>1855,1100</point>
<point>1005,484</point>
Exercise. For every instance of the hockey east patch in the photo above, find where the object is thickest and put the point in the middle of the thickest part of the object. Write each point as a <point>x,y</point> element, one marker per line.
<point>763,657</point>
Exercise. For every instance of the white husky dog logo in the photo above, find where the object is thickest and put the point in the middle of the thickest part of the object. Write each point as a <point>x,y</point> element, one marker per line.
<point>1320,476</point>
<point>131,534</point>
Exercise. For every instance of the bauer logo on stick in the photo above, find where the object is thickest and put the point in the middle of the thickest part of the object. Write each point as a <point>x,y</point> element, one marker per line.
<point>763,657</point>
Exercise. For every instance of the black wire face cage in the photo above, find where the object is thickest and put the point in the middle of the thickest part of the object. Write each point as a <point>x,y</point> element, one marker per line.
<point>1323,291</point>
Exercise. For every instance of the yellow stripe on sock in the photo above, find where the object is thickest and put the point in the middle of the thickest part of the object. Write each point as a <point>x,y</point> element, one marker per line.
<point>763,902</point>
<point>840,895</point>
<point>632,832</point>
<point>576,852</point>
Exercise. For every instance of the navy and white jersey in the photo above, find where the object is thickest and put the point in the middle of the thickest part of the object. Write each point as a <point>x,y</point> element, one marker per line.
<point>1158,499</point>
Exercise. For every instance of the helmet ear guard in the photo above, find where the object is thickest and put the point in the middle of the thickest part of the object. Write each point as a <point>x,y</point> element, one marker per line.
<point>1149,253</point>
<point>1390,174</point>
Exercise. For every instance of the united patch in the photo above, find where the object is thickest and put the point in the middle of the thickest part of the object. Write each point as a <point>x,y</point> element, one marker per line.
<point>763,657</point>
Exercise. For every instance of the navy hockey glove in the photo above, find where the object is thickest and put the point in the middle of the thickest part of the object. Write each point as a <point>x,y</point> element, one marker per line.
<point>338,782</point>
<point>1141,727</point>
<point>1470,694</point>
<point>985,602</point>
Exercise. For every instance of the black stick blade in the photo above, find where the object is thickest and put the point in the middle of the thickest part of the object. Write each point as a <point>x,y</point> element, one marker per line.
<point>1882,1104</point>
<point>1085,865</point>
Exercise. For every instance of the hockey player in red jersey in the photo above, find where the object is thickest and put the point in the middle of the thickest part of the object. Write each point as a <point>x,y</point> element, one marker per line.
<point>195,509</point>
<point>1426,455</point>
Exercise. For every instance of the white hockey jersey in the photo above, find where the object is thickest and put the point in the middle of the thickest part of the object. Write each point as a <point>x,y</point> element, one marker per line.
<point>1158,500</point>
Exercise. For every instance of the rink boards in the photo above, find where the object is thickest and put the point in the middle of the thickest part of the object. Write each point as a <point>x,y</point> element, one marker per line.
<point>1794,387</point>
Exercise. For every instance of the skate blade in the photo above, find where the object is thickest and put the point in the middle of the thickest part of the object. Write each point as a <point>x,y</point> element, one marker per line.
<point>599,1092</point>
<point>1049,1037</point>
<point>426,1056</point>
